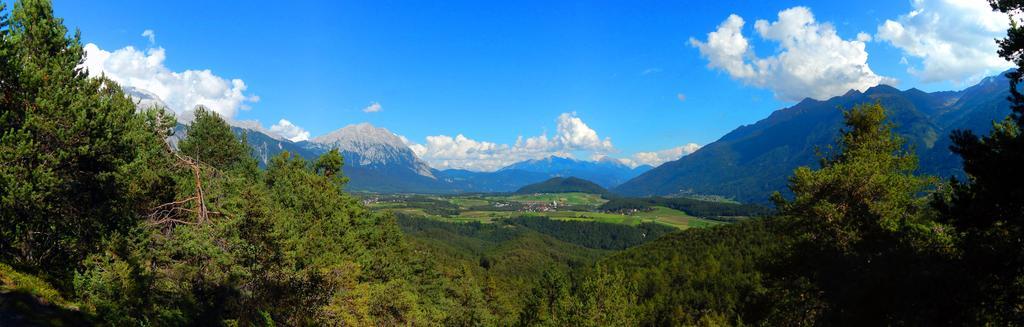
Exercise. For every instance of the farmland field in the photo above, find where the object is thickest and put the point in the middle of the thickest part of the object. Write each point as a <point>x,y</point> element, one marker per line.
<point>557,206</point>
<point>561,198</point>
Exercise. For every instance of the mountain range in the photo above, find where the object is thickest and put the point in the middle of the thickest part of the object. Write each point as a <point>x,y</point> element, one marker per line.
<point>752,161</point>
<point>746,165</point>
<point>377,160</point>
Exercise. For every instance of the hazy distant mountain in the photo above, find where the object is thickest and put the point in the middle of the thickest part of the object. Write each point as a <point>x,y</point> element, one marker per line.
<point>752,161</point>
<point>459,180</point>
<point>606,172</point>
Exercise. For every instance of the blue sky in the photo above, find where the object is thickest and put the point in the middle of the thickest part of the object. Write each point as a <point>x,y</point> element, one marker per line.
<point>496,71</point>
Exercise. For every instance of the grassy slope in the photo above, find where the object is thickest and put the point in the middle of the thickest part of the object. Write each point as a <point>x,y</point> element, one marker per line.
<point>27,300</point>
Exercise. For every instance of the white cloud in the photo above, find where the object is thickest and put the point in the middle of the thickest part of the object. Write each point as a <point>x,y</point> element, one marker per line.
<point>283,130</point>
<point>656,158</point>
<point>811,59</point>
<point>373,107</point>
<point>149,34</point>
<point>727,48</point>
<point>461,152</point>
<point>253,125</point>
<point>573,135</point>
<point>181,91</point>
<point>954,39</point>
<point>289,131</point>
<point>863,37</point>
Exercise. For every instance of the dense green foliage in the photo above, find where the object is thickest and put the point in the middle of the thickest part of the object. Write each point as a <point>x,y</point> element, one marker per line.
<point>563,185</point>
<point>703,276</point>
<point>699,208</point>
<point>593,234</point>
<point>987,208</point>
<point>501,262</point>
<point>211,141</point>
<point>600,298</point>
<point>856,244</point>
<point>75,154</point>
<point>865,248</point>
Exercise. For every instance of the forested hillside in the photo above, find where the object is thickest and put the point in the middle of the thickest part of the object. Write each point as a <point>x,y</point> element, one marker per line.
<point>563,185</point>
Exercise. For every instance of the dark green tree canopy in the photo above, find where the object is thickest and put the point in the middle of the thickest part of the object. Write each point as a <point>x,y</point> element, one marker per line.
<point>210,140</point>
<point>866,187</point>
<point>988,207</point>
<point>72,147</point>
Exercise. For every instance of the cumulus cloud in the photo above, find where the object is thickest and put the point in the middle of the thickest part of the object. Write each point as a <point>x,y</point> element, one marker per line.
<point>461,152</point>
<point>573,135</point>
<point>283,130</point>
<point>373,107</point>
<point>443,151</point>
<point>149,34</point>
<point>954,39</point>
<point>289,131</point>
<point>811,60</point>
<point>656,158</point>
<point>863,37</point>
<point>181,91</point>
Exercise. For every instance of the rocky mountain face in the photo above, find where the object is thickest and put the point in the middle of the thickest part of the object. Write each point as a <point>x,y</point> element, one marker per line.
<point>752,161</point>
<point>376,159</point>
<point>365,145</point>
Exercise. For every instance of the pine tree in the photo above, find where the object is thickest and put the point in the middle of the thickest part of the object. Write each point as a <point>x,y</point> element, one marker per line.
<point>865,246</point>
<point>329,165</point>
<point>70,147</point>
<point>209,140</point>
<point>988,207</point>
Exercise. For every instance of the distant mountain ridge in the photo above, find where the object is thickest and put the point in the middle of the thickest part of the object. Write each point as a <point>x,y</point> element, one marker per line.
<point>752,161</point>
<point>606,172</point>
<point>377,160</point>
<point>746,164</point>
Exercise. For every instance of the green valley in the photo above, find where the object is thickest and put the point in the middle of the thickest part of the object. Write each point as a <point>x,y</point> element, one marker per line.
<point>489,208</point>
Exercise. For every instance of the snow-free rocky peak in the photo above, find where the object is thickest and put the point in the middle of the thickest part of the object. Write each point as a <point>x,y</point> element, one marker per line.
<point>374,146</point>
